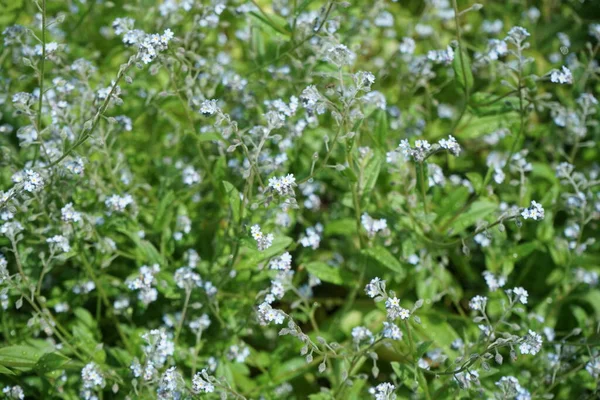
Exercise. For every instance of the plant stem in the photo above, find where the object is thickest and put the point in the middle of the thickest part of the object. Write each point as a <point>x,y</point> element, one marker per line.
<point>188,293</point>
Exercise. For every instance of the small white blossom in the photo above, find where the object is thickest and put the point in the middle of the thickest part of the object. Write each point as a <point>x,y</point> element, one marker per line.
<point>267,314</point>
<point>383,391</point>
<point>284,185</point>
<point>60,242</point>
<point>535,211</point>
<point>361,334</point>
<point>451,145</point>
<point>375,288</point>
<point>118,203</point>
<point>494,282</point>
<point>372,226</point>
<point>391,331</point>
<point>262,241</point>
<point>284,262</point>
<point>201,383</point>
<point>68,213</point>
<point>478,303</point>
<point>312,238</point>
<point>531,343</point>
<point>564,76</point>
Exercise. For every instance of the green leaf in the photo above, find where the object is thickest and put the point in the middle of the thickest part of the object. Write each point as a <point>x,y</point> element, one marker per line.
<point>253,257</point>
<point>383,257</point>
<point>5,371</point>
<point>270,22</point>
<point>208,137</point>
<point>476,180</point>
<point>436,328</point>
<point>320,396</point>
<point>381,127</point>
<point>452,203</point>
<point>371,173</point>
<point>464,77</point>
<point>342,227</point>
<point>397,368</point>
<point>145,250</point>
<point>479,210</point>
<point>84,316</point>
<point>51,362</point>
<point>423,347</point>
<point>165,206</point>
<point>474,127</point>
<point>20,356</point>
<point>234,199</point>
<point>348,173</point>
<point>326,272</point>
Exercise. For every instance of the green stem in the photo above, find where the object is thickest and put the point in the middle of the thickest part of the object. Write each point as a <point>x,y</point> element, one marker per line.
<point>421,169</point>
<point>188,293</point>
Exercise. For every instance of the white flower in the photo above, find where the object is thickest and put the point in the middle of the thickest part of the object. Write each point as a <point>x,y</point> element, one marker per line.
<point>282,263</point>
<point>494,282</point>
<point>520,294</point>
<point>190,175</point>
<point>33,181</point>
<point>144,283</point>
<point>362,334</point>
<point>186,278</point>
<point>451,145</point>
<point>392,305</point>
<point>209,107</point>
<point>482,240</point>
<point>511,389</point>
<point>531,343</point>
<point>422,148</point>
<point>11,229</point>
<point>310,97</point>
<point>372,226</point>
<point>60,242</point>
<point>166,37</point>
<point>238,353</point>
<point>441,56</point>
<point>92,377</point>
<point>312,238</point>
<point>375,288</point>
<point>383,391</point>
<point>405,148</point>
<point>593,367</point>
<point>118,203</point>
<point>340,55</point>
<point>497,48</point>
<point>14,392</point>
<point>478,303</point>
<point>563,76</point>
<point>407,46</point>
<point>535,211</point>
<point>391,331</point>
<point>75,166</point>
<point>68,213</point>
<point>170,385</point>
<point>262,241</point>
<point>517,34</point>
<point>267,314</point>
<point>201,383</point>
<point>284,185</point>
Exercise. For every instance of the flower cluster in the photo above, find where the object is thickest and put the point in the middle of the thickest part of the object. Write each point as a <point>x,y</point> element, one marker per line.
<point>262,241</point>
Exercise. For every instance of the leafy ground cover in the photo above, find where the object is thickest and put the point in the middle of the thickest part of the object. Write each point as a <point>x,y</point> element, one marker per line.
<point>299,199</point>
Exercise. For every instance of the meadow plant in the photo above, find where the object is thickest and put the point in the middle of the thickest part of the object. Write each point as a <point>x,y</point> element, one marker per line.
<point>287,199</point>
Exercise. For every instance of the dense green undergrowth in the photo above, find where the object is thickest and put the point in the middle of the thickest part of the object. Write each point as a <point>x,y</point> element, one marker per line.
<point>299,199</point>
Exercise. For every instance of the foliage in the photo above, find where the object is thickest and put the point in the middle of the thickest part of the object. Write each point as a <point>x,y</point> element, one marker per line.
<point>299,199</point>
